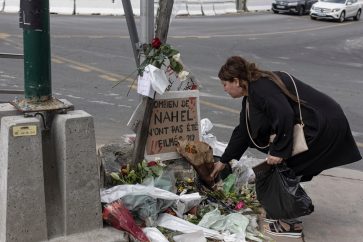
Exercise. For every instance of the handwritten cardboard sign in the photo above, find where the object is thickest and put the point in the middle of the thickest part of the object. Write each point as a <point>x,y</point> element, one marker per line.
<point>175,84</point>
<point>175,116</point>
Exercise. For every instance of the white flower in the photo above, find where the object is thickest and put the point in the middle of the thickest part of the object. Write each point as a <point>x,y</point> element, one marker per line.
<point>177,58</point>
<point>183,75</point>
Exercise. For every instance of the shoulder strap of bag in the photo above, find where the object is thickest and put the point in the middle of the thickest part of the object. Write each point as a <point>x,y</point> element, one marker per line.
<point>297,96</point>
<point>247,127</point>
<point>248,114</point>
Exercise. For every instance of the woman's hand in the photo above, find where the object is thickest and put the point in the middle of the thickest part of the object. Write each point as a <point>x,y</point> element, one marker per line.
<point>273,160</point>
<point>218,167</point>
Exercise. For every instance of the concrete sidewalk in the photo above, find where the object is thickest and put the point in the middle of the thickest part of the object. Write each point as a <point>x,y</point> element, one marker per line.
<point>337,195</point>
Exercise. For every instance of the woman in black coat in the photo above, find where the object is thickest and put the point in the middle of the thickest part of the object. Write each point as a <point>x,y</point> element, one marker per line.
<point>273,110</point>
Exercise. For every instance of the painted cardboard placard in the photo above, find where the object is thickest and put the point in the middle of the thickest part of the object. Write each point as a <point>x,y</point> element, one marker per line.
<point>176,115</point>
<point>176,84</point>
<point>173,84</point>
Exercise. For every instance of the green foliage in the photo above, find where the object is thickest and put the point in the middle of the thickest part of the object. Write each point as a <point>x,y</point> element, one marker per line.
<point>176,66</point>
<point>246,195</point>
<point>126,175</point>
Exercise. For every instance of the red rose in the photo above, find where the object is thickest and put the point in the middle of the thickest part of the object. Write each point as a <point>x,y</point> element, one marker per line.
<point>155,43</point>
<point>152,163</point>
<point>194,87</point>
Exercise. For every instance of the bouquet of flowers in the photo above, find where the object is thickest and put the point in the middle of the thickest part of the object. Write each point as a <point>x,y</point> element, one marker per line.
<point>119,217</point>
<point>159,54</point>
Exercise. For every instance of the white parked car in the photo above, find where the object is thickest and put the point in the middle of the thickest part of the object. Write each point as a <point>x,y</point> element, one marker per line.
<point>336,9</point>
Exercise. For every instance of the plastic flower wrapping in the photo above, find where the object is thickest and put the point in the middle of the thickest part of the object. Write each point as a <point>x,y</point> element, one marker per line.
<point>117,215</point>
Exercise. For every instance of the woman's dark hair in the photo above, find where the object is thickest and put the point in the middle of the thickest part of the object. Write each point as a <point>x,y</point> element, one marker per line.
<point>237,67</point>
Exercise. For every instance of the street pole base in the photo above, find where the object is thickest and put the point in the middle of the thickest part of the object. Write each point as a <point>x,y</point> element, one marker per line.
<point>53,104</point>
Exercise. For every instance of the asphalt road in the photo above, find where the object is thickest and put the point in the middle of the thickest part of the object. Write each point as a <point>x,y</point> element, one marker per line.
<point>91,53</point>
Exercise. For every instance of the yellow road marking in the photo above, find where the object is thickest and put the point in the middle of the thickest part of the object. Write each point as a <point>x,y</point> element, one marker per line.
<point>57,61</point>
<point>90,36</point>
<point>79,68</point>
<point>4,35</point>
<point>121,77</point>
<point>109,78</point>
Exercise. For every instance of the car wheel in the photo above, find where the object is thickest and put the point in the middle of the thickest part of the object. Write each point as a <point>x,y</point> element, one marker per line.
<point>275,11</point>
<point>342,17</point>
<point>357,16</point>
<point>300,11</point>
<point>313,18</point>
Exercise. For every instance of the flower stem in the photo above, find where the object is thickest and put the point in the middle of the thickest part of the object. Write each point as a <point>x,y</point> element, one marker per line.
<point>130,87</point>
<point>125,78</point>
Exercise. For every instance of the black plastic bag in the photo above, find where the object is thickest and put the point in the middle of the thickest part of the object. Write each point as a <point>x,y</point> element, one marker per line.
<point>279,192</point>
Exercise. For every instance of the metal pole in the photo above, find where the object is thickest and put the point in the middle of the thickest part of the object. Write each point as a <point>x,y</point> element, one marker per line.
<point>74,7</point>
<point>8,91</point>
<point>147,33</point>
<point>34,19</point>
<point>146,20</point>
<point>130,20</point>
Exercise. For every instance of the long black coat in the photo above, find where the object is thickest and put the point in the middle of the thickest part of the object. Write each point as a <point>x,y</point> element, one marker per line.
<point>326,129</point>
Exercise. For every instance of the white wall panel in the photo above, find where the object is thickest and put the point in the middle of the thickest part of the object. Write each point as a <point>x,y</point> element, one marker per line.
<point>61,6</point>
<point>12,6</point>
<point>2,5</point>
<point>103,7</point>
<point>194,7</point>
<point>230,6</point>
<point>208,8</point>
<point>219,7</point>
<point>180,8</point>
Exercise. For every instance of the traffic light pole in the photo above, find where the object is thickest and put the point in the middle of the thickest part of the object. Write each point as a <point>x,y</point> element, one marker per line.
<point>34,20</point>
<point>36,39</point>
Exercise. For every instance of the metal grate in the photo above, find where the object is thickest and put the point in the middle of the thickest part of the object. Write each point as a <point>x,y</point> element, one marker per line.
<point>11,56</point>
